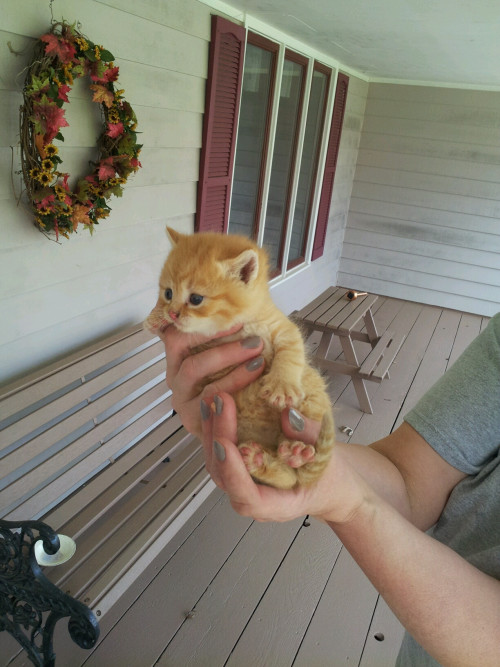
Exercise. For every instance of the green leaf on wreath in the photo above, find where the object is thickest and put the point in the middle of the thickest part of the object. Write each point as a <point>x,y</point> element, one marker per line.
<point>101,68</point>
<point>77,71</point>
<point>37,125</point>
<point>116,190</point>
<point>107,55</point>
<point>127,145</point>
<point>82,190</point>
<point>37,84</point>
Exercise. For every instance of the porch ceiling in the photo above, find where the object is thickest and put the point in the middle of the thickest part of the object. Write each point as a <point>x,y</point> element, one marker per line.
<point>436,41</point>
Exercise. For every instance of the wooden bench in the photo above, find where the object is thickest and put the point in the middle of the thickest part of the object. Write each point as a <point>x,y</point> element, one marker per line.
<point>92,447</point>
<point>334,314</point>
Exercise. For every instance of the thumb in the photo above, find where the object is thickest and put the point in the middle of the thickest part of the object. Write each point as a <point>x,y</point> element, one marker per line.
<point>298,427</point>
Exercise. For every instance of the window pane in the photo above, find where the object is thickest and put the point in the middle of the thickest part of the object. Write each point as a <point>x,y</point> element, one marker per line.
<point>308,165</point>
<point>287,125</point>
<point>257,78</point>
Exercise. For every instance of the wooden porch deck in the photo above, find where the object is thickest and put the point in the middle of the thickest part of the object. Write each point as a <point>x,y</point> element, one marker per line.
<point>229,591</point>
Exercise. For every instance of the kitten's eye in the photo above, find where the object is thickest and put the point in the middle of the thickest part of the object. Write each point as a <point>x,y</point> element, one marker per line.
<point>195,299</point>
<point>168,294</point>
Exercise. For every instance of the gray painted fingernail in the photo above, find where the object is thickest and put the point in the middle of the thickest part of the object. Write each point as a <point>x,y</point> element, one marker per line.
<point>219,404</point>
<point>254,364</point>
<point>250,343</point>
<point>296,420</point>
<point>219,451</point>
<point>205,411</point>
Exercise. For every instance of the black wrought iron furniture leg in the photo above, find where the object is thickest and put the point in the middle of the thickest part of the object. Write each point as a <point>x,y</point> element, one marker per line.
<point>30,605</point>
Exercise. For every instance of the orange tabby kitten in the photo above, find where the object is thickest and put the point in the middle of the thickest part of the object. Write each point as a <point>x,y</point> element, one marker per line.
<point>211,282</point>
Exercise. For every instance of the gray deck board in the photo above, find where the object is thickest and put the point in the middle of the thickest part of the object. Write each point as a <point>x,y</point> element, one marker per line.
<point>279,594</point>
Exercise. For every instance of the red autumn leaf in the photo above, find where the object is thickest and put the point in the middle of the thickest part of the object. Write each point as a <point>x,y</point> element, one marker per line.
<point>102,95</point>
<point>115,130</point>
<point>46,201</point>
<point>63,92</point>
<point>106,169</point>
<point>110,74</point>
<point>51,119</point>
<point>59,47</point>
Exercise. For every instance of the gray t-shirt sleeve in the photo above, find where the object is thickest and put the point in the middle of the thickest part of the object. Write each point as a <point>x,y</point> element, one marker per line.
<point>459,416</point>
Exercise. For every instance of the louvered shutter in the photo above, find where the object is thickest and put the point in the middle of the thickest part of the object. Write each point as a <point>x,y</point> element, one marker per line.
<point>225,74</point>
<point>330,164</point>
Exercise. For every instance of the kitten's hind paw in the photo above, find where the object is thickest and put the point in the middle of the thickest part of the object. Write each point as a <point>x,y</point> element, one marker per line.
<point>252,455</point>
<point>296,454</point>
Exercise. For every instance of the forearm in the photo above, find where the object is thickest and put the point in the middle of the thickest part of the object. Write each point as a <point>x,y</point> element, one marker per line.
<point>449,607</point>
<point>380,473</point>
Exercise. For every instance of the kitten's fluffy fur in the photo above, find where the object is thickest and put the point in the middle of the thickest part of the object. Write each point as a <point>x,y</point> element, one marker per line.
<point>211,282</point>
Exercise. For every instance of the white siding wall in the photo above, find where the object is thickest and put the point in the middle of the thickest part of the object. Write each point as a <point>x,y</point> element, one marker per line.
<point>424,221</point>
<point>302,287</point>
<point>56,297</point>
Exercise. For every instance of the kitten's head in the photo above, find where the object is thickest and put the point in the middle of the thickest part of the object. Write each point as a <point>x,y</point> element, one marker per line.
<point>210,282</point>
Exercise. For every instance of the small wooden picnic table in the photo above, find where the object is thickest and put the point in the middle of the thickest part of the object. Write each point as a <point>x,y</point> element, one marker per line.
<point>335,314</point>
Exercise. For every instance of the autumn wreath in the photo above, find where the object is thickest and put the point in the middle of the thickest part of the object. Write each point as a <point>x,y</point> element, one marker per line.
<point>62,55</point>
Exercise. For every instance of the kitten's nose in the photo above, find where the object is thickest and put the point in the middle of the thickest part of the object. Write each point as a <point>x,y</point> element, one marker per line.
<point>173,314</point>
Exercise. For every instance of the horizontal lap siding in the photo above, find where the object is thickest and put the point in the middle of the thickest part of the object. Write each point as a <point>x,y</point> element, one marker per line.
<point>58,297</point>
<point>424,219</point>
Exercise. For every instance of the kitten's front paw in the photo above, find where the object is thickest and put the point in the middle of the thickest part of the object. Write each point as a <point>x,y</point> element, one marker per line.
<point>296,454</point>
<point>281,394</point>
<point>155,321</point>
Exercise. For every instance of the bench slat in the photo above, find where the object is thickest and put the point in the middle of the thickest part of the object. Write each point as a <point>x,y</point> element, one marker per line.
<point>338,307</point>
<point>359,308</point>
<point>140,545</point>
<point>135,528</point>
<point>174,449</point>
<point>91,411</point>
<point>88,446</point>
<point>79,394</point>
<point>36,386</point>
<point>112,482</point>
<point>378,362</point>
<point>385,364</point>
<point>306,313</point>
<point>105,539</point>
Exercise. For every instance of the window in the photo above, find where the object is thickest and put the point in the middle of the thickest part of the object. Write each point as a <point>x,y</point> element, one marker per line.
<point>266,184</point>
<point>253,135</point>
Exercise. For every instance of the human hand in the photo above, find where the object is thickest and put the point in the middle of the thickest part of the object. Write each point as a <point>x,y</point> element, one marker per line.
<point>334,497</point>
<point>186,372</point>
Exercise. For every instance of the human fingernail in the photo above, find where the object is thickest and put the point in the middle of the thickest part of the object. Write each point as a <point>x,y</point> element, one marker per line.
<point>254,364</point>
<point>219,451</point>
<point>205,411</point>
<point>296,420</point>
<point>219,404</point>
<point>252,342</point>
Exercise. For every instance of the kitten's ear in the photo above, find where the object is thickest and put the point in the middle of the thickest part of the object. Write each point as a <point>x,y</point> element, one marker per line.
<point>244,267</point>
<point>173,235</point>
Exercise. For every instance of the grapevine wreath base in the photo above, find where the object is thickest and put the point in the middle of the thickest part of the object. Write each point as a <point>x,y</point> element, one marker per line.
<point>61,56</point>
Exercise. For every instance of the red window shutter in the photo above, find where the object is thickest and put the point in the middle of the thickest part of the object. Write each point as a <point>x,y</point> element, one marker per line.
<point>225,74</point>
<point>330,164</point>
